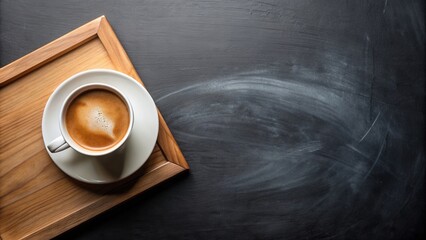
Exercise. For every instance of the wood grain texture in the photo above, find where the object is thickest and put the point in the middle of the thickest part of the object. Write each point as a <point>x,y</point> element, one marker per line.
<point>37,200</point>
<point>169,146</point>
<point>49,52</point>
<point>114,48</point>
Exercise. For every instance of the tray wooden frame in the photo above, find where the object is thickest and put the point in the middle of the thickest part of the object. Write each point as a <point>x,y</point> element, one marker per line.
<point>37,200</point>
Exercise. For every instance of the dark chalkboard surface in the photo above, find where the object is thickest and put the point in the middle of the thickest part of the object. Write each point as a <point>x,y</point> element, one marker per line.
<point>300,119</point>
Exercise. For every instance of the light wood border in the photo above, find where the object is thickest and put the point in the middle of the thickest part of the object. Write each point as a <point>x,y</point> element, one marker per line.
<point>98,28</point>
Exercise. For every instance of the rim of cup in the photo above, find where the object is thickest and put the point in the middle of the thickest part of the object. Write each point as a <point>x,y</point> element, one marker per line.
<point>62,117</point>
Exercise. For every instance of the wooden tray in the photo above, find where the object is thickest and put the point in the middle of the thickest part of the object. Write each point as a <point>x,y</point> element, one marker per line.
<point>37,200</point>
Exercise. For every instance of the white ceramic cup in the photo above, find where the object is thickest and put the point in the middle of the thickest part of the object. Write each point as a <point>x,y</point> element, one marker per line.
<point>65,141</point>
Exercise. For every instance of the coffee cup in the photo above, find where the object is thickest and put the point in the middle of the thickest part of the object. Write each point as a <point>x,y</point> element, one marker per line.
<point>95,120</point>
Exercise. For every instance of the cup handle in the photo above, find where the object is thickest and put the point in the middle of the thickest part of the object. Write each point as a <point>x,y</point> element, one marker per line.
<point>57,145</point>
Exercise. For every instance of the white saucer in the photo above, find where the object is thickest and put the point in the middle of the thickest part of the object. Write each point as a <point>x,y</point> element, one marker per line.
<point>138,147</point>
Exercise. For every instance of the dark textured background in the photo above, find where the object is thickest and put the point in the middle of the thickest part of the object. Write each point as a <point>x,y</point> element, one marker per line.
<point>300,119</point>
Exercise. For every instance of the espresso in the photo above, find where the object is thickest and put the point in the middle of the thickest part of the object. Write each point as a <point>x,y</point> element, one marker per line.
<point>97,119</point>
